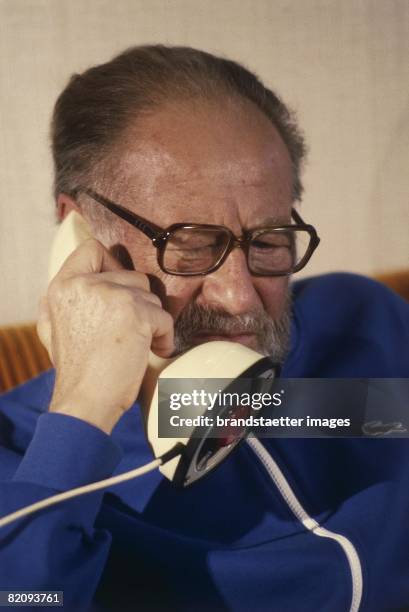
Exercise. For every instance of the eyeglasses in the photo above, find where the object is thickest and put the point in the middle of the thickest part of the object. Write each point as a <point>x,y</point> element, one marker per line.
<point>191,249</point>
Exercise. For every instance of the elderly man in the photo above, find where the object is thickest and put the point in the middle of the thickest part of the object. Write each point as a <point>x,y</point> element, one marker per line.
<point>187,169</point>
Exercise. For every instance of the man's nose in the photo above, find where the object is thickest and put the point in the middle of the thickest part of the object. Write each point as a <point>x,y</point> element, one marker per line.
<point>231,287</point>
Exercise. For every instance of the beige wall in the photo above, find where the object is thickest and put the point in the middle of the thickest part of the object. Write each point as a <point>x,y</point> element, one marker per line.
<point>343,65</point>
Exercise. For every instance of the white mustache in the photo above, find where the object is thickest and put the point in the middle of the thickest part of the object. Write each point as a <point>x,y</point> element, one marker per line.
<point>213,321</point>
<point>272,334</point>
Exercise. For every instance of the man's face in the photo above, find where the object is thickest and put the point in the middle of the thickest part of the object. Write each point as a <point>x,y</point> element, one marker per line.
<point>223,165</point>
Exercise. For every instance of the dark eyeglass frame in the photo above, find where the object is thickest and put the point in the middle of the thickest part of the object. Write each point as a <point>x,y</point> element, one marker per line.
<point>159,236</point>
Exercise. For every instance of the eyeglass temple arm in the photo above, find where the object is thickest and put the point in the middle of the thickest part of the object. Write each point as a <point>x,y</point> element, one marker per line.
<point>149,229</point>
<point>297,217</point>
<point>299,221</point>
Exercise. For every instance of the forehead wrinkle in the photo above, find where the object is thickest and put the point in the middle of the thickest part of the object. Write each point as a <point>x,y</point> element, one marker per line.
<point>157,163</point>
<point>177,197</point>
<point>162,179</point>
<point>189,149</point>
<point>161,175</point>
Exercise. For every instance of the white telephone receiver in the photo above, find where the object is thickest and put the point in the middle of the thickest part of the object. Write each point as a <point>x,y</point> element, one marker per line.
<point>217,359</point>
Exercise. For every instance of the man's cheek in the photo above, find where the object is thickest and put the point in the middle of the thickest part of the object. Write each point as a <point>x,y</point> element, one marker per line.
<point>274,294</point>
<point>179,293</point>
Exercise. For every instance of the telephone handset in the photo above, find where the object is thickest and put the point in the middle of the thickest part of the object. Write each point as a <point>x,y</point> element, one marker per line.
<point>218,359</point>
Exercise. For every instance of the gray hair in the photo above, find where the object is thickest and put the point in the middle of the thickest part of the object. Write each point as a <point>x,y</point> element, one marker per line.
<point>93,111</point>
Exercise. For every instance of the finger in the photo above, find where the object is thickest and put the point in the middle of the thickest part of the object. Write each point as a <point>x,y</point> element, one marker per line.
<point>91,256</point>
<point>137,292</point>
<point>162,333</point>
<point>148,296</point>
<point>126,278</point>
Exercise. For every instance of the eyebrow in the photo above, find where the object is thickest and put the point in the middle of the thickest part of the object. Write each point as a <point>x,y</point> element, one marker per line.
<point>278,220</point>
<point>268,221</point>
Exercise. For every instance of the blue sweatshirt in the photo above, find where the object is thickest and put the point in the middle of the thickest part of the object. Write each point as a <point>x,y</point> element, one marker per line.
<point>284,525</point>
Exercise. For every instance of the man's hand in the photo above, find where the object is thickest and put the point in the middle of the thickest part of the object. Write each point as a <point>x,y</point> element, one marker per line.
<point>98,323</point>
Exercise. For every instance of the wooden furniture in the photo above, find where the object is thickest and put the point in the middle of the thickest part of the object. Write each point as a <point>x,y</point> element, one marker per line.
<point>397,281</point>
<point>22,356</point>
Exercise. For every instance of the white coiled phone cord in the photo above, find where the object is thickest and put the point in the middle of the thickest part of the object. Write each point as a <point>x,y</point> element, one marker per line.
<point>95,486</point>
<point>311,524</point>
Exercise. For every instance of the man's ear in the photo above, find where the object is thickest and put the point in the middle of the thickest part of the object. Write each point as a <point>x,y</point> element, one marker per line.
<point>65,204</point>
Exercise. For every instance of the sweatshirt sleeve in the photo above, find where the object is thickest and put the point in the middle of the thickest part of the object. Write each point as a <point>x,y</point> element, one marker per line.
<point>57,548</point>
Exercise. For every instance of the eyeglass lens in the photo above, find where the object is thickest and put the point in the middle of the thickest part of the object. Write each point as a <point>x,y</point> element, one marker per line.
<point>196,250</point>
